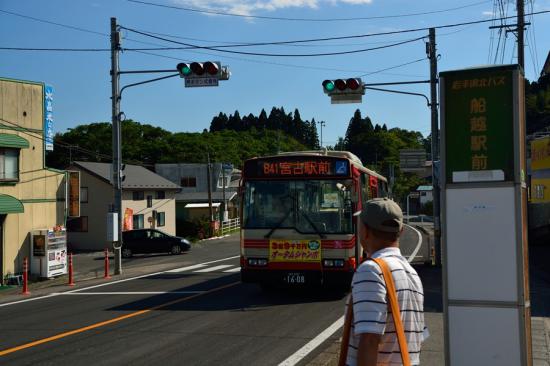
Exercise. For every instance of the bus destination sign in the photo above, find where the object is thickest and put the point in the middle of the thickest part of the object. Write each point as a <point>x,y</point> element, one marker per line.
<point>303,167</point>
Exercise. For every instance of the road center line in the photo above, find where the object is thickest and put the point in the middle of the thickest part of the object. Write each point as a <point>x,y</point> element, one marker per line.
<point>110,321</point>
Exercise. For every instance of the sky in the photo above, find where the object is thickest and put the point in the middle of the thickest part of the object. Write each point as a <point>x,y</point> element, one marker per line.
<point>82,84</point>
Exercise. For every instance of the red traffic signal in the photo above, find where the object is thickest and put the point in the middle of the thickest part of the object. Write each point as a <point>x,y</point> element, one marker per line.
<point>211,68</point>
<point>353,84</point>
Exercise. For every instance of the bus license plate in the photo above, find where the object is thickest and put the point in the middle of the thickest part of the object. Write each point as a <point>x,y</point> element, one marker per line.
<point>295,278</point>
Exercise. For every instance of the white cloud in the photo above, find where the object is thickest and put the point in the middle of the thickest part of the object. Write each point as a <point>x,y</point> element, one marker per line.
<point>250,7</point>
<point>488,13</point>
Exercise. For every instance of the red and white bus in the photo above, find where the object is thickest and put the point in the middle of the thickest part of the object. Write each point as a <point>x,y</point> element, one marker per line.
<point>297,218</point>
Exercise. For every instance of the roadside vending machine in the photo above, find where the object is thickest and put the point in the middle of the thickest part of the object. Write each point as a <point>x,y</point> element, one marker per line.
<point>49,252</point>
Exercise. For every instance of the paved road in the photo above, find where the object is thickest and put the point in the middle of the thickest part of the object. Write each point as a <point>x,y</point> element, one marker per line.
<point>197,314</point>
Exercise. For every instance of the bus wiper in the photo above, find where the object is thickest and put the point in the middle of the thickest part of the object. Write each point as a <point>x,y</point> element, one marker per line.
<point>278,225</point>
<point>317,231</point>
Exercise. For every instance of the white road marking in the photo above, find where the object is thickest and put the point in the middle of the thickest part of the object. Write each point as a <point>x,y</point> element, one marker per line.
<point>212,269</point>
<point>314,343</point>
<point>236,269</point>
<point>103,284</point>
<point>188,268</point>
<point>129,293</point>
<point>418,245</point>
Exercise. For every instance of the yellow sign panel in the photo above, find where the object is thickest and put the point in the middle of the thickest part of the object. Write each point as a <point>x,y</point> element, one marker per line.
<point>540,190</point>
<point>283,250</point>
<point>540,154</point>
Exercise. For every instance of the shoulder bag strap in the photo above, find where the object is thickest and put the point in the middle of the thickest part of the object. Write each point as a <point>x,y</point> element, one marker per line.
<point>346,333</point>
<point>396,314</point>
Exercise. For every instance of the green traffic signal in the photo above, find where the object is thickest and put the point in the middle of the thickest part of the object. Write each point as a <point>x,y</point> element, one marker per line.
<point>184,69</point>
<point>328,85</point>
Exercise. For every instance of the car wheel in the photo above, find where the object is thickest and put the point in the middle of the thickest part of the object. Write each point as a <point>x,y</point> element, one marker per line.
<point>126,253</point>
<point>176,249</point>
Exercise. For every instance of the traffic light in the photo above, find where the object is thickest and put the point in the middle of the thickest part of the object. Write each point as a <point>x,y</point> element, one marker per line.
<point>344,90</point>
<point>199,69</point>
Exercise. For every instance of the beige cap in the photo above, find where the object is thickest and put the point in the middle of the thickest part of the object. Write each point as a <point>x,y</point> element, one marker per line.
<point>383,214</point>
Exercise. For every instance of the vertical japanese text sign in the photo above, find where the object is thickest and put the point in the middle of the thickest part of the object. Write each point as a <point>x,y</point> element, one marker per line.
<point>48,117</point>
<point>479,128</point>
<point>74,194</point>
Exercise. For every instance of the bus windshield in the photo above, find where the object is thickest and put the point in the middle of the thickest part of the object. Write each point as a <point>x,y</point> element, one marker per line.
<point>309,206</point>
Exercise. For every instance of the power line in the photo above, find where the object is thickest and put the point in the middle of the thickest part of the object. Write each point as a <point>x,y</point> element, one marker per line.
<point>392,67</point>
<point>54,23</point>
<point>274,54</point>
<point>56,49</point>
<point>453,25</point>
<point>218,12</point>
<point>309,67</point>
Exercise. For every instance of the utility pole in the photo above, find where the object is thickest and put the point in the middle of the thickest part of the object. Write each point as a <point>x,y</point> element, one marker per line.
<point>208,179</point>
<point>521,26</point>
<point>116,164</point>
<point>432,55</point>
<point>321,124</point>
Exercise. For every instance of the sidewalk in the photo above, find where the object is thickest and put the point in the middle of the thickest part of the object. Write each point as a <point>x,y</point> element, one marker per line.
<point>433,349</point>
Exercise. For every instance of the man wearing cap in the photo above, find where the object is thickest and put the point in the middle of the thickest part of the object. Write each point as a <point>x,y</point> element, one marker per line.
<point>373,340</point>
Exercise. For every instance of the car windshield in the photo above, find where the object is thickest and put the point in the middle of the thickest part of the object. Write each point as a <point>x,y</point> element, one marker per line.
<point>309,206</point>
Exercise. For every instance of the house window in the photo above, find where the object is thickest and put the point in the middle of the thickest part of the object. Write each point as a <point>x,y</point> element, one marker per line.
<point>161,195</point>
<point>9,164</point>
<point>138,221</point>
<point>149,201</point>
<point>223,181</point>
<point>138,195</point>
<point>161,219</point>
<point>83,194</point>
<point>188,181</point>
<point>78,224</point>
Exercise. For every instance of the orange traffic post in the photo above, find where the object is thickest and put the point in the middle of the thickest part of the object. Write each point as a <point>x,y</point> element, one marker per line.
<point>106,276</point>
<point>71,279</point>
<point>25,277</point>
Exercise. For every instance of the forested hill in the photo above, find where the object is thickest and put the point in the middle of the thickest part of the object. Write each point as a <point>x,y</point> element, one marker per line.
<point>144,144</point>
<point>234,139</point>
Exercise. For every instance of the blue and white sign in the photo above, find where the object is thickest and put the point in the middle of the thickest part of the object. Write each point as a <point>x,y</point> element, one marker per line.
<point>341,167</point>
<point>48,117</point>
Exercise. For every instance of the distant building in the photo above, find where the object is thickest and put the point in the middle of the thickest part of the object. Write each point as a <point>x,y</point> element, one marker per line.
<point>192,200</point>
<point>148,201</point>
<point>426,194</point>
<point>32,196</point>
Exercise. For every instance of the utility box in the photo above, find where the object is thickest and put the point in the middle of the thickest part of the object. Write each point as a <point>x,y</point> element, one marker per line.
<point>48,252</point>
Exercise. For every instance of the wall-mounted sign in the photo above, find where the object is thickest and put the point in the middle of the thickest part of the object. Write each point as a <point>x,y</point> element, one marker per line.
<point>74,193</point>
<point>48,117</point>
<point>478,109</point>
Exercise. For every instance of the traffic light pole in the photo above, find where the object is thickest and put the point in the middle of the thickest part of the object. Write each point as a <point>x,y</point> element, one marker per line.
<point>116,134</point>
<point>432,55</point>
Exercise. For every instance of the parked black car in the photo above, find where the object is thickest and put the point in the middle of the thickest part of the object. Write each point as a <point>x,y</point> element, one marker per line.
<point>152,241</point>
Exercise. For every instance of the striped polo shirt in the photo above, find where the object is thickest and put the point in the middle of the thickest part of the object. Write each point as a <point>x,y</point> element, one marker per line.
<point>370,308</point>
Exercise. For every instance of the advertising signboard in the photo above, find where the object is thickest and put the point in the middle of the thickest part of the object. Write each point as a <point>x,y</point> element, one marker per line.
<point>48,117</point>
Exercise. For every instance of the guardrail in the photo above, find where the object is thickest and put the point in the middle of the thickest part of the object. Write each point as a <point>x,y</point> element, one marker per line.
<point>230,226</point>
